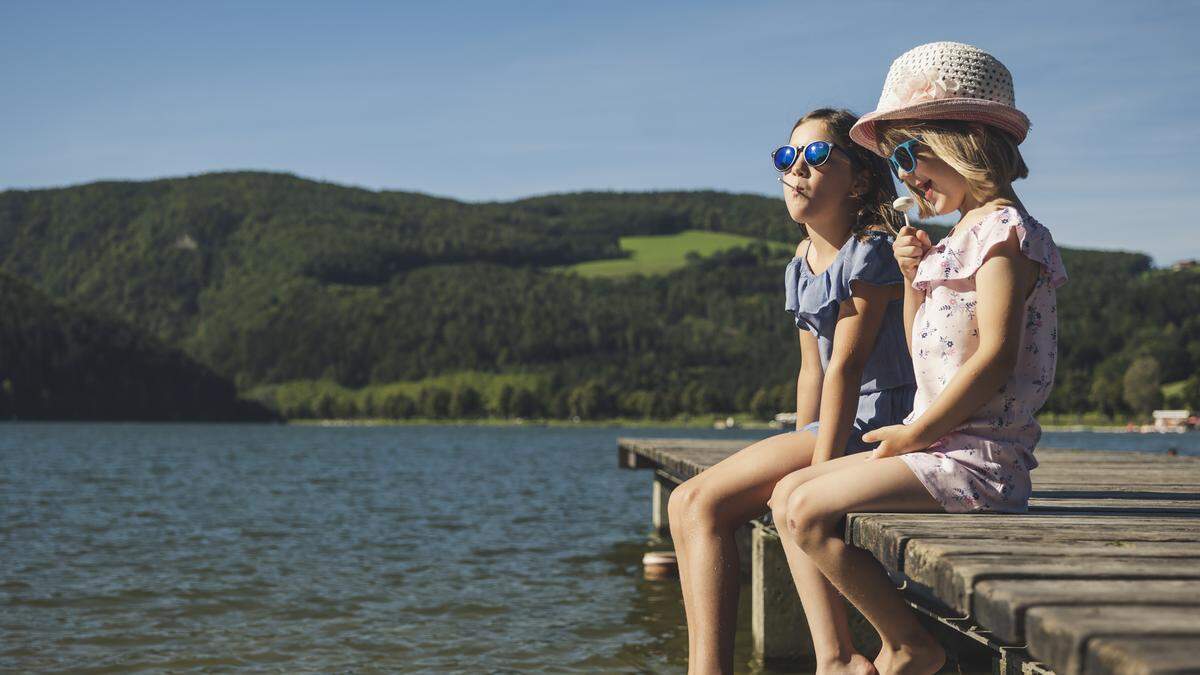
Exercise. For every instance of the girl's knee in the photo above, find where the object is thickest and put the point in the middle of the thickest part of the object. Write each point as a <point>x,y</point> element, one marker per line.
<point>803,520</point>
<point>692,504</point>
<point>778,507</point>
<point>686,501</point>
<point>784,489</point>
<point>779,496</point>
<point>676,501</point>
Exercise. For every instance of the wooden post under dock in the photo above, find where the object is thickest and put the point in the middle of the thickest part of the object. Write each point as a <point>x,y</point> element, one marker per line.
<point>1101,576</point>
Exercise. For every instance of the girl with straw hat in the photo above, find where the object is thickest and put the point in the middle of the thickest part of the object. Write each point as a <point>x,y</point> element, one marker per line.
<point>979,310</point>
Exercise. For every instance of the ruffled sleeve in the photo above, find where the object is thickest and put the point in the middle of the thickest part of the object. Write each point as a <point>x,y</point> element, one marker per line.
<point>960,256</point>
<point>814,299</point>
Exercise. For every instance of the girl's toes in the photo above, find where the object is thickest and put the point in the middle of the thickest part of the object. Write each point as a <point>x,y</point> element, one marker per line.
<point>857,665</point>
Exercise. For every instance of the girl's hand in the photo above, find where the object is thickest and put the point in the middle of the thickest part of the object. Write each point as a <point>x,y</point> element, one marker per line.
<point>910,248</point>
<point>898,439</point>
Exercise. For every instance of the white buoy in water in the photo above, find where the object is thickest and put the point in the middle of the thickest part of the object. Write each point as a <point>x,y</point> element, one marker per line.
<point>903,204</point>
<point>660,564</point>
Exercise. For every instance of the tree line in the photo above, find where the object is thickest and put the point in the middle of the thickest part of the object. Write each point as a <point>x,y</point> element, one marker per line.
<point>321,300</point>
<point>59,361</point>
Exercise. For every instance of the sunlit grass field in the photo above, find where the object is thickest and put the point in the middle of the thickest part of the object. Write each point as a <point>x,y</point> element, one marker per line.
<point>662,254</point>
<point>1173,388</point>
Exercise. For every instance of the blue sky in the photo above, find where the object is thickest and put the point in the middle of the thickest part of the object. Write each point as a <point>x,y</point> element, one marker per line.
<point>485,101</point>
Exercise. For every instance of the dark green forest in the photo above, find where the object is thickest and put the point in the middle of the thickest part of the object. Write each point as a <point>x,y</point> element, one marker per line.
<point>322,300</point>
<point>63,362</point>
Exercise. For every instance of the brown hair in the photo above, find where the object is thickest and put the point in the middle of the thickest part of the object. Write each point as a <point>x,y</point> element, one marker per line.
<point>874,205</point>
<point>985,156</point>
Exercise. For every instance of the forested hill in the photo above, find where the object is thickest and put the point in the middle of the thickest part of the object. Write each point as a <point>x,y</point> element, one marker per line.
<point>269,278</point>
<point>59,361</point>
<point>151,250</point>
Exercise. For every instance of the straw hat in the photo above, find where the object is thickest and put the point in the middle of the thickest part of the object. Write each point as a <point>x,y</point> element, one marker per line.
<point>945,81</point>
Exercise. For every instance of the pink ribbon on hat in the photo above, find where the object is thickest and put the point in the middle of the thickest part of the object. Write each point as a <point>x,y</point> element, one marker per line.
<point>918,87</point>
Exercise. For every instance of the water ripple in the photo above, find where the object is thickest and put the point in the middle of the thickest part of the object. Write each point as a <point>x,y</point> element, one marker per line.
<point>243,547</point>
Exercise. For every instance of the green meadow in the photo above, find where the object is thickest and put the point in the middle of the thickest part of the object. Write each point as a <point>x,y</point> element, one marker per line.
<point>665,253</point>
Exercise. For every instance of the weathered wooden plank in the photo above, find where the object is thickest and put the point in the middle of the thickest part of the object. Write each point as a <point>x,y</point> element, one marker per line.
<point>1086,477</point>
<point>1165,476</point>
<point>1143,656</point>
<point>1163,530</point>
<point>1186,482</point>
<point>682,458</point>
<point>1060,636</point>
<point>887,542</point>
<point>1060,452</point>
<point>1027,520</point>
<point>1164,507</point>
<point>1086,458</point>
<point>886,535</point>
<point>628,459</point>
<point>1131,488</point>
<point>1001,605</point>
<point>1140,499</point>
<point>1157,476</point>
<point>950,579</point>
<point>929,548</point>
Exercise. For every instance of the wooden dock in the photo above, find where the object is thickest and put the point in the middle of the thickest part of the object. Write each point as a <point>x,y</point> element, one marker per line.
<point>1101,576</point>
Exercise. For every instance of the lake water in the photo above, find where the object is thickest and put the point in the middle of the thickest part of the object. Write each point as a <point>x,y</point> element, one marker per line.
<point>276,548</point>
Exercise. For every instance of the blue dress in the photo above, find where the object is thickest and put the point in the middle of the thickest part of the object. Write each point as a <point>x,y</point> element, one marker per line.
<point>885,396</point>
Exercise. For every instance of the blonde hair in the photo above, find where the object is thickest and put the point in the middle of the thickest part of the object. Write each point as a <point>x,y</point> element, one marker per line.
<point>873,206</point>
<point>985,156</point>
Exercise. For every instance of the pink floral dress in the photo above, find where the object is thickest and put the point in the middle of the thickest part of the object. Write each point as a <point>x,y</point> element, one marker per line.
<point>984,464</point>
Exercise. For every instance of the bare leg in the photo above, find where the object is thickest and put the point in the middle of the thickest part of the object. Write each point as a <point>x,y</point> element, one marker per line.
<point>812,520</point>
<point>824,607</point>
<point>703,514</point>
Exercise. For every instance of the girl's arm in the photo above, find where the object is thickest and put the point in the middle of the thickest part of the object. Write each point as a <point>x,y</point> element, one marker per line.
<point>808,382</point>
<point>1002,284</point>
<point>859,320</point>
<point>913,299</point>
<point>911,246</point>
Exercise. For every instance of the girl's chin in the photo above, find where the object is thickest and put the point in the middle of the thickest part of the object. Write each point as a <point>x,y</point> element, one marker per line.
<point>798,209</point>
<point>940,205</point>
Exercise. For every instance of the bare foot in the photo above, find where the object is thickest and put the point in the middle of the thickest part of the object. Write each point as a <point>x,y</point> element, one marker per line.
<point>924,658</point>
<point>856,665</point>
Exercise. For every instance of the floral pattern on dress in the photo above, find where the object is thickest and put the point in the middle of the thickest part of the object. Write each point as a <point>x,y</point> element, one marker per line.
<point>984,464</point>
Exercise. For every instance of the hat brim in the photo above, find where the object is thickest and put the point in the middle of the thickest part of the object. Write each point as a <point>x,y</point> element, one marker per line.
<point>1005,117</point>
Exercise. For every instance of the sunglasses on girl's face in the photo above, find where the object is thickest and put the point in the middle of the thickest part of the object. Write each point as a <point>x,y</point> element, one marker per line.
<point>904,158</point>
<point>814,154</point>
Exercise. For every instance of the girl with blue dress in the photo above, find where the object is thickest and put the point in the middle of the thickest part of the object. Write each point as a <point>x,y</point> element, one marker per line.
<point>844,291</point>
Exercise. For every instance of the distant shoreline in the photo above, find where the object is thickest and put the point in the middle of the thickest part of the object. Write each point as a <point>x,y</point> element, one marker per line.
<point>705,423</point>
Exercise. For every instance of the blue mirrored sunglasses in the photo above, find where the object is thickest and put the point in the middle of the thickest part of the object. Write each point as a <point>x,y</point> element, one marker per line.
<point>904,158</point>
<point>815,154</point>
